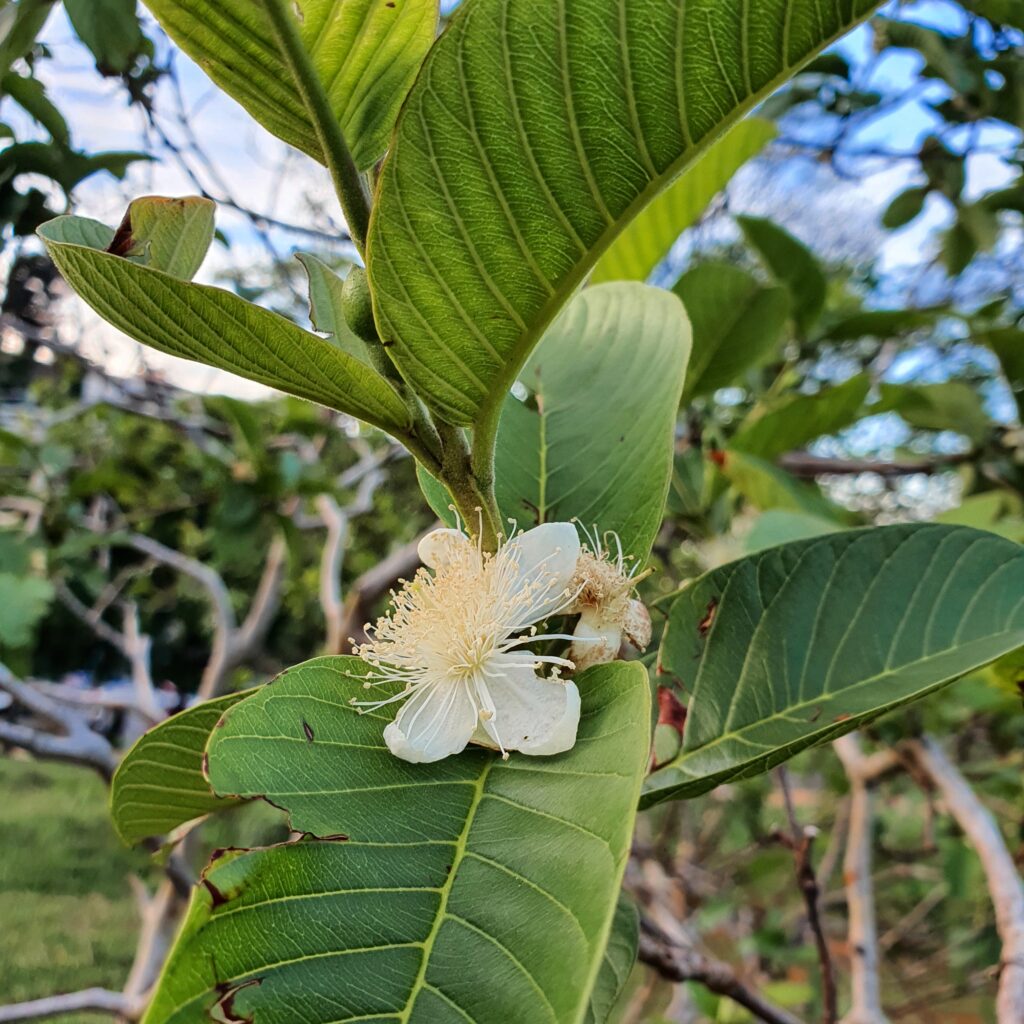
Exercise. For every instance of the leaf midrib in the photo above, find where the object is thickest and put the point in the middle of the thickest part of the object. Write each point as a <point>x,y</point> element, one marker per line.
<point>461,847</point>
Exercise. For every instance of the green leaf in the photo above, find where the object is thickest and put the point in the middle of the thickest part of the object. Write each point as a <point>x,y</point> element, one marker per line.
<point>880,323</point>
<point>951,405</point>
<point>215,327</point>
<point>596,437</point>
<point>1002,12</point>
<point>765,486</point>
<point>792,264</point>
<point>1000,512</point>
<point>905,207</point>
<point>772,429</point>
<point>30,94</point>
<point>533,136</point>
<point>20,25</point>
<point>110,29</point>
<point>26,600</point>
<point>619,958</point>
<point>67,167</point>
<point>365,52</point>
<point>1008,345</point>
<point>647,239</point>
<point>429,910</point>
<point>172,235</point>
<point>778,526</point>
<point>326,309</point>
<point>737,322</point>
<point>802,643</point>
<point>160,784</point>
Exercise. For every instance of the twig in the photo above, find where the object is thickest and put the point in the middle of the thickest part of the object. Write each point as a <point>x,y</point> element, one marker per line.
<point>800,842</point>
<point>866,992</point>
<point>1004,882</point>
<point>678,963</point>
<point>90,1000</point>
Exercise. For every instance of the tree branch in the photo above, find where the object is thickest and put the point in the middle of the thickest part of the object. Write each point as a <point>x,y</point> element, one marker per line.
<point>866,992</point>
<point>1004,882</point>
<point>75,742</point>
<point>679,963</point>
<point>90,1000</point>
<point>805,465</point>
<point>800,842</point>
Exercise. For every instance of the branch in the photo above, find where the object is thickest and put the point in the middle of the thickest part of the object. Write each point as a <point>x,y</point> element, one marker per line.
<point>75,743</point>
<point>1004,882</point>
<point>679,963</point>
<point>803,464</point>
<point>800,843</point>
<point>866,992</point>
<point>338,519</point>
<point>265,604</point>
<point>90,1000</point>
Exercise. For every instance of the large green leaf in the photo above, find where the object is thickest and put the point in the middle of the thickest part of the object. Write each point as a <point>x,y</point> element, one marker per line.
<point>110,28</point>
<point>535,133</point>
<point>804,642</point>
<point>596,437</point>
<point>737,322</point>
<point>647,240</point>
<point>455,893</point>
<point>774,428</point>
<point>216,327</point>
<point>365,52</point>
<point>159,784</point>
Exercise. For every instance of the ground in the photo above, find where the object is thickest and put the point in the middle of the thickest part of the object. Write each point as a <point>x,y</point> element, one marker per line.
<point>67,915</point>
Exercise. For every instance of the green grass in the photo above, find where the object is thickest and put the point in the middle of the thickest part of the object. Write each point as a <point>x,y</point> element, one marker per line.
<point>67,915</point>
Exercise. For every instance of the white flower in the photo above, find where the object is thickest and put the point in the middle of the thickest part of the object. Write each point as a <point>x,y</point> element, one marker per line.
<point>604,600</point>
<point>455,640</point>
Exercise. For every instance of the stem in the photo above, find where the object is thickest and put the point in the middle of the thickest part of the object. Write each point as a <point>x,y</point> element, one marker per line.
<point>348,183</point>
<point>474,501</point>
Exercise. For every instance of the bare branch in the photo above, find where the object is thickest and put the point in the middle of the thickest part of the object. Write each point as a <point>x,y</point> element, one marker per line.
<point>265,604</point>
<point>90,1000</point>
<point>75,742</point>
<point>82,611</point>
<point>803,464</point>
<point>337,520</point>
<point>1004,882</point>
<point>679,963</point>
<point>866,991</point>
<point>800,843</point>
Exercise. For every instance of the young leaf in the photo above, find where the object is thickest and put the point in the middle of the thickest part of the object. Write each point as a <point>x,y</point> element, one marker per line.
<point>365,52</point>
<point>160,783</point>
<point>804,642</point>
<point>736,321</point>
<point>172,235</point>
<point>533,136</point>
<point>647,240</point>
<point>792,264</point>
<point>326,310</point>
<point>418,906</point>
<point>216,327</point>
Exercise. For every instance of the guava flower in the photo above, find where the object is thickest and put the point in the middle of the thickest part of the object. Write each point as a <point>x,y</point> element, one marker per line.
<point>456,639</point>
<point>609,613</point>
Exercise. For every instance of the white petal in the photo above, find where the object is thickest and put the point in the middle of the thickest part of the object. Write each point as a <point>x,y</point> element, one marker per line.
<point>545,558</point>
<point>436,721</point>
<point>598,641</point>
<point>438,547</point>
<point>531,714</point>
